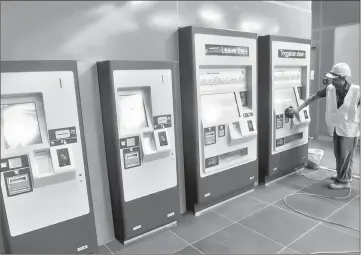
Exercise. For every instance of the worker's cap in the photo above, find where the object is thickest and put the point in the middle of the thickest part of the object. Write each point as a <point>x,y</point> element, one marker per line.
<point>339,70</point>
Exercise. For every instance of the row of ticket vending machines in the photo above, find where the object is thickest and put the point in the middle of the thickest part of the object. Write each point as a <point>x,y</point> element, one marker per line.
<point>235,87</point>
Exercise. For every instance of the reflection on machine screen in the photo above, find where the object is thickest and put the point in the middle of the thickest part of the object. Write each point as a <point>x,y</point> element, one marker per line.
<point>19,125</point>
<point>131,113</point>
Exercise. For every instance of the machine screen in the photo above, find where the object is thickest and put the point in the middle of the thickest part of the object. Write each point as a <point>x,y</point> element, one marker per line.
<point>20,125</point>
<point>131,113</point>
<point>15,163</point>
<point>285,97</point>
<point>218,107</point>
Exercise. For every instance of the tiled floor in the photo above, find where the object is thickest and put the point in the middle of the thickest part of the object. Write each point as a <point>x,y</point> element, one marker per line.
<point>260,223</point>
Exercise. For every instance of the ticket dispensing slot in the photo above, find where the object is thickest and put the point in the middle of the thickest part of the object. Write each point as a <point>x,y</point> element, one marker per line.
<point>242,129</point>
<point>155,143</point>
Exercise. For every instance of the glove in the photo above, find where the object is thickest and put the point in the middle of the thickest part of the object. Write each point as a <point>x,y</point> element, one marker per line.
<point>289,112</point>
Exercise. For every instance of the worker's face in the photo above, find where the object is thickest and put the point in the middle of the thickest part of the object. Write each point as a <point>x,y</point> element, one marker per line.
<point>338,82</point>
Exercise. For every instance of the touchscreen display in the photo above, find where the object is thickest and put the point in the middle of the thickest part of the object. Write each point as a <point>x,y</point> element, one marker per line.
<point>219,107</point>
<point>20,125</point>
<point>131,114</point>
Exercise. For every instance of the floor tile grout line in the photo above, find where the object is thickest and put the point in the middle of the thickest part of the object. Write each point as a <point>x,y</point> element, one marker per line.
<point>212,233</point>
<point>254,231</point>
<point>288,249</point>
<point>341,208</point>
<point>313,182</point>
<point>293,250</point>
<point>220,214</point>
<point>108,248</point>
<point>237,222</point>
<point>294,213</point>
<point>281,250</point>
<point>189,244</point>
<point>318,224</point>
<point>338,230</point>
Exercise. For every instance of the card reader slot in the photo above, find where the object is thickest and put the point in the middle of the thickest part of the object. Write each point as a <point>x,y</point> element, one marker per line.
<point>17,179</point>
<point>233,155</point>
<point>61,134</point>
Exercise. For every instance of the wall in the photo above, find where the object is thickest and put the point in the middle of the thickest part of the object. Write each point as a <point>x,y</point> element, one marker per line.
<point>347,49</point>
<point>327,16</point>
<point>90,31</point>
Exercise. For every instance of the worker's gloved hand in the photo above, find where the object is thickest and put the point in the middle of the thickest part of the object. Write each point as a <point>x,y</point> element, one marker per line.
<point>290,112</point>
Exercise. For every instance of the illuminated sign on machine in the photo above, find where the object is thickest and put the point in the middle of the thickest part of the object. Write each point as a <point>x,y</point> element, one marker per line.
<point>226,50</point>
<point>287,75</point>
<point>215,78</point>
<point>291,54</point>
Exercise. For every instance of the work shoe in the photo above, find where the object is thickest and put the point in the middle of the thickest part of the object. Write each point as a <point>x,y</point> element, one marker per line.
<point>334,178</point>
<point>339,185</point>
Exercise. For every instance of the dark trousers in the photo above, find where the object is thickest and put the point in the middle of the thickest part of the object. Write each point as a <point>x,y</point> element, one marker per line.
<point>344,150</point>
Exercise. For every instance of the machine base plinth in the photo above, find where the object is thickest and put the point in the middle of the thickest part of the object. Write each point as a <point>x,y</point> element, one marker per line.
<point>199,209</point>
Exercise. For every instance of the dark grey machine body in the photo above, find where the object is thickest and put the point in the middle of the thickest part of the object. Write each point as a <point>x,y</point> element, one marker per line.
<point>64,237</point>
<point>147,211</point>
<point>286,161</point>
<point>222,185</point>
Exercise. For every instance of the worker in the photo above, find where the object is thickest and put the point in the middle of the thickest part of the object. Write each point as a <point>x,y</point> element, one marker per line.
<point>342,118</point>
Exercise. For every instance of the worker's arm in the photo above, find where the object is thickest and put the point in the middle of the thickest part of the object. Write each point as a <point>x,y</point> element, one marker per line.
<point>308,101</point>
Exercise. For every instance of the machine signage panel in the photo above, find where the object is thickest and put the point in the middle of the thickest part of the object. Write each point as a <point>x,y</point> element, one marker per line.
<point>279,121</point>
<point>162,121</point>
<point>163,140</point>
<point>282,53</point>
<point>243,95</point>
<point>226,50</point>
<point>280,142</point>
<point>63,157</point>
<point>222,77</point>
<point>248,114</point>
<point>250,125</point>
<point>306,114</point>
<point>129,142</point>
<point>221,130</point>
<point>211,162</point>
<point>210,135</point>
<point>62,136</point>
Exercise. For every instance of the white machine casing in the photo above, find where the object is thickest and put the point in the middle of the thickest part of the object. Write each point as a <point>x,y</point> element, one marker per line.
<point>227,75</point>
<point>138,119</point>
<point>284,80</point>
<point>55,191</point>
<point>293,75</point>
<point>151,84</point>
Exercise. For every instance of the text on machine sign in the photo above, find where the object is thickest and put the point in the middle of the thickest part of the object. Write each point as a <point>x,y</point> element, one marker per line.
<point>291,53</point>
<point>226,50</point>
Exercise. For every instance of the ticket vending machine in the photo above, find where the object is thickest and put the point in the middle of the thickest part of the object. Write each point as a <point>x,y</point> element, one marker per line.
<point>45,191</point>
<point>138,120</point>
<point>219,106</point>
<point>283,75</point>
